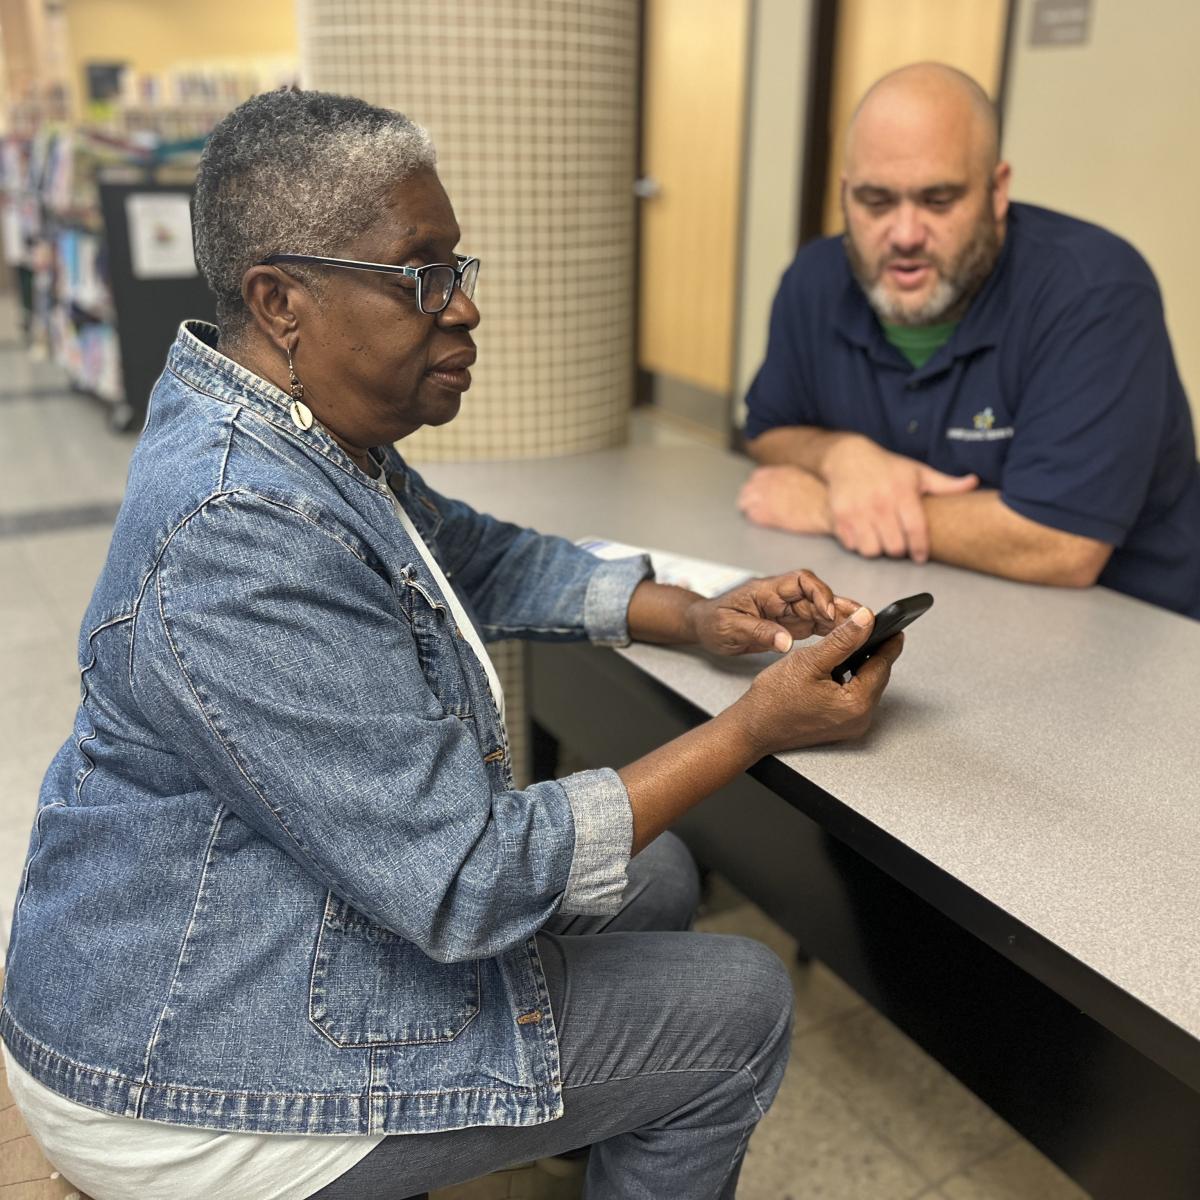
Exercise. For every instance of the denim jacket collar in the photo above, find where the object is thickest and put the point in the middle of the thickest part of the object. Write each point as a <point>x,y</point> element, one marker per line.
<point>195,359</point>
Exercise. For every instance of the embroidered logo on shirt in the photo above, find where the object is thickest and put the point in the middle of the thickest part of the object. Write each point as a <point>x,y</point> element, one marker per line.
<point>983,429</point>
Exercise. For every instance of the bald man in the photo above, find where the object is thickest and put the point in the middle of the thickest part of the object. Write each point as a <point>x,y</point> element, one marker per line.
<point>971,380</point>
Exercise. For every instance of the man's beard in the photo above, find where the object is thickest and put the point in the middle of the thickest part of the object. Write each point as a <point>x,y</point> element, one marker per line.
<point>954,290</point>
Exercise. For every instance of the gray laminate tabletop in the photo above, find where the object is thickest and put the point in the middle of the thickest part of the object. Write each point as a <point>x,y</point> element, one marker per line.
<point>1040,745</point>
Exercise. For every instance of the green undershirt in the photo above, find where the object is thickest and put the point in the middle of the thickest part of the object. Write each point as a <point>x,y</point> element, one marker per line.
<point>919,343</point>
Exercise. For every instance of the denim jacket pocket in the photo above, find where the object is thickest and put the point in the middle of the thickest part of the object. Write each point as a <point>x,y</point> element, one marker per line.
<point>440,647</point>
<point>370,987</point>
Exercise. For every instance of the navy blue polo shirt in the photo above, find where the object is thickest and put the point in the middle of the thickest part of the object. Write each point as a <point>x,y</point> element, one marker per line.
<point>1058,388</point>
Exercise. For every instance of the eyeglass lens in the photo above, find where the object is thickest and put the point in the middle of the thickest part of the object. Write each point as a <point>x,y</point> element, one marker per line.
<point>437,286</point>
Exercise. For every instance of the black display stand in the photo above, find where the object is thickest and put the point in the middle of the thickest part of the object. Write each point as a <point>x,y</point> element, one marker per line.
<point>148,311</point>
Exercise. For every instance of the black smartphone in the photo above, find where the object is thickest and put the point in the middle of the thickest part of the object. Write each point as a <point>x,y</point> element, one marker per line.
<point>888,622</point>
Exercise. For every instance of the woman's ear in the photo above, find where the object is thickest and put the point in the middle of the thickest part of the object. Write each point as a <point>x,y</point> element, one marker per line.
<point>271,295</point>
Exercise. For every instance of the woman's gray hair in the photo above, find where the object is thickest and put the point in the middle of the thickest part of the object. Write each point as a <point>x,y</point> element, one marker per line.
<point>294,172</point>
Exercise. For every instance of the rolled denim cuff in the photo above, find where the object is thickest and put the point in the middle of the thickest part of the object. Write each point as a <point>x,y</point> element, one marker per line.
<point>606,604</point>
<point>603,842</point>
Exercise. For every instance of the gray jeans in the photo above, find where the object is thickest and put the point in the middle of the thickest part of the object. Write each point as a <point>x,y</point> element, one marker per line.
<point>672,1045</point>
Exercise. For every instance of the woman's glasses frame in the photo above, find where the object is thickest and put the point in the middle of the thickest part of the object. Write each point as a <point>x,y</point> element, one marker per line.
<point>465,269</point>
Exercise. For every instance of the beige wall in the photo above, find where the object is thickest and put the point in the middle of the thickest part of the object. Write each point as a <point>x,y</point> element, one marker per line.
<point>774,156</point>
<point>153,35</point>
<point>1109,130</point>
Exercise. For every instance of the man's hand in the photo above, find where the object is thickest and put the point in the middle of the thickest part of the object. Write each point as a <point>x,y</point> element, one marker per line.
<point>875,498</point>
<point>768,614</point>
<point>786,497</point>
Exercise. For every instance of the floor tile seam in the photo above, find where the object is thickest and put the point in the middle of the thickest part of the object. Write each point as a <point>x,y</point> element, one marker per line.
<point>50,391</point>
<point>888,1141</point>
<point>837,1018</point>
<point>856,1113</point>
<point>13,516</point>
<point>927,1187</point>
<point>59,518</point>
<point>823,1025</point>
<point>828,1022</point>
<point>1014,1139</point>
<point>901,1154</point>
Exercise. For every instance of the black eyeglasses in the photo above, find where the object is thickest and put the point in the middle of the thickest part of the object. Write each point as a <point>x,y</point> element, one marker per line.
<point>434,282</point>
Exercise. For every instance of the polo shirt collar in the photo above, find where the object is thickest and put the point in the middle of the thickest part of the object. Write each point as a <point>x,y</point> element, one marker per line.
<point>979,329</point>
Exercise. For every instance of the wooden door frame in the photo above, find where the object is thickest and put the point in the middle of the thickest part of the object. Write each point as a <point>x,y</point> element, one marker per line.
<point>643,383</point>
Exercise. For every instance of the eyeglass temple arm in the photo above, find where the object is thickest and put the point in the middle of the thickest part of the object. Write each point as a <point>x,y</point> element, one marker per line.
<point>320,260</point>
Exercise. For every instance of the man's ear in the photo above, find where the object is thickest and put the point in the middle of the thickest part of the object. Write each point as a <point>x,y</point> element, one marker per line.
<point>1001,177</point>
<point>272,296</point>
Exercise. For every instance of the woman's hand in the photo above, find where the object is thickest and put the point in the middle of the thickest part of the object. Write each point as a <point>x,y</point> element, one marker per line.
<point>768,614</point>
<point>795,702</point>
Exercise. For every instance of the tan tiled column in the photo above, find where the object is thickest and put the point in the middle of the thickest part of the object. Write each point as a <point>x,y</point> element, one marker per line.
<point>532,106</point>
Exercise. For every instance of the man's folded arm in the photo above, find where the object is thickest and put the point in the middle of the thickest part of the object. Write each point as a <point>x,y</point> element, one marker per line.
<point>979,531</point>
<point>798,445</point>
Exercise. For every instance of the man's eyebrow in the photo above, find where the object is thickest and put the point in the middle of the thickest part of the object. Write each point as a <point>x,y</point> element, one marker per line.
<point>954,189</point>
<point>871,192</point>
<point>876,190</point>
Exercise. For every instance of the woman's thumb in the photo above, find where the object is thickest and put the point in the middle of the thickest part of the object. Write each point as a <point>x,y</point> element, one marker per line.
<point>837,646</point>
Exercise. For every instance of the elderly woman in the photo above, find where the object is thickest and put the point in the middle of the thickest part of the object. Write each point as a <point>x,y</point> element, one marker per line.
<point>287,927</point>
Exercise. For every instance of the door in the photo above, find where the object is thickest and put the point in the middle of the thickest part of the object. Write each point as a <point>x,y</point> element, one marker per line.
<point>692,135</point>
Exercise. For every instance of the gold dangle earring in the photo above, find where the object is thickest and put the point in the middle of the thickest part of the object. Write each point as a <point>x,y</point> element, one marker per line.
<point>300,413</point>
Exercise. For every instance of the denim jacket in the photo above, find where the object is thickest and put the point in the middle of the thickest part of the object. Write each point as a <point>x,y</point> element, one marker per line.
<point>280,879</point>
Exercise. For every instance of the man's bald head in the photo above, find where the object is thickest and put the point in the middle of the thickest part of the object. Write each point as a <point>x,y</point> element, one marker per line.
<point>924,193</point>
<point>923,102</point>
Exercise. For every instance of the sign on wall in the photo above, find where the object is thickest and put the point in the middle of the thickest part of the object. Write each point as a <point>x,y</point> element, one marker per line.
<point>1060,22</point>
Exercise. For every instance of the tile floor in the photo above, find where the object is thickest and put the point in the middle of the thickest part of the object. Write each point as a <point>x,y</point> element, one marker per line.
<point>863,1114</point>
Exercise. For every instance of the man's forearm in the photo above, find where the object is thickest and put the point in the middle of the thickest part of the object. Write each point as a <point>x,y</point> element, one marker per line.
<point>798,445</point>
<point>980,532</point>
